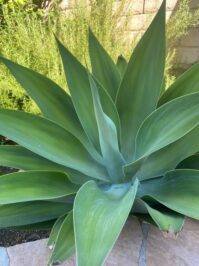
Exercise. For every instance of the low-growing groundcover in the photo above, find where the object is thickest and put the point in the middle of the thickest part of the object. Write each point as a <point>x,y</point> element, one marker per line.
<point>117,146</point>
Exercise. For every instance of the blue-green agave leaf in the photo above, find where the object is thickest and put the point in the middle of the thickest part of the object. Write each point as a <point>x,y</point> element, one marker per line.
<point>49,140</point>
<point>55,230</point>
<point>177,190</point>
<point>18,157</point>
<point>165,219</point>
<point>141,85</point>
<point>79,86</point>
<point>65,241</point>
<point>29,213</point>
<point>34,185</point>
<point>52,100</point>
<point>187,83</point>
<point>103,67</point>
<point>167,158</point>
<point>109,142</point>
<point>98,220</point>
<point>167,124</point>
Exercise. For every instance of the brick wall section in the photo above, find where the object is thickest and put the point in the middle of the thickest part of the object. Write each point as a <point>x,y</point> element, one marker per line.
<point>139,13</point>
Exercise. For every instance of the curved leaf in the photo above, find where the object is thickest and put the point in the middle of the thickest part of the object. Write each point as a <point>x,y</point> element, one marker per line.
<point>186,84</point>
<point>166,220</point>
<point>167,158</point>
<point>98,220</point>
<point>103,67</point>
<point>65,242</point>
<point>109,142</point>
<point>79,86</point>
<point>55,230</point>
<point>34,185</point>
<point>18,157</point>
<point>49,140</point>
<point>177,190</point>
<point>141,86</point>
<point>31,212</point>
<point>167,124</point>
<point>52,100</point>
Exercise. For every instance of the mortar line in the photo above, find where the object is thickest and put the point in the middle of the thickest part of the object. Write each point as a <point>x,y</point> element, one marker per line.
<point>8,256</point>
<point>143,9</point>
<point>4,257</point>
<point>142,260</point>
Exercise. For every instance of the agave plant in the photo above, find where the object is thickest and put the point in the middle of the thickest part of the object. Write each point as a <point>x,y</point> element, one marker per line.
<point>116,146</point>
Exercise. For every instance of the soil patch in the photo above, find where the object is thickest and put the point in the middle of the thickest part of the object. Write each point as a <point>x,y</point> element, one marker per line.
<point>11,237</point>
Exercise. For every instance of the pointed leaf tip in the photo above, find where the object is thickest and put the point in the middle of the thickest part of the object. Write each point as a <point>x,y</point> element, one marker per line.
<point>141,85</point>
<point>103,67</point>
<point>64,242</point>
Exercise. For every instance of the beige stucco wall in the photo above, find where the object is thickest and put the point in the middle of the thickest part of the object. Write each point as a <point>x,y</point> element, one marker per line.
<point>141,12</point>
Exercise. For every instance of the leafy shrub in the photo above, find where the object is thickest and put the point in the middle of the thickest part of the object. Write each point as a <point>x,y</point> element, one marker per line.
<point>180,23</point>
<point>27,38</point>
<point>178,26</point>
<point>109,149</point>
<point>21,27</point>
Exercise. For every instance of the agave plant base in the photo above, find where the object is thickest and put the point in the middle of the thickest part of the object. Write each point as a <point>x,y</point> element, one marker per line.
<point>138,245</point>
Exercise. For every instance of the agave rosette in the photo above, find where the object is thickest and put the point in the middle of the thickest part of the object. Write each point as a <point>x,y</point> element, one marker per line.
<point>117,145</point>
